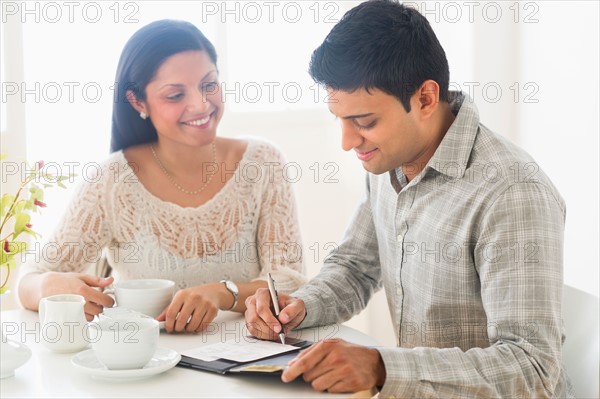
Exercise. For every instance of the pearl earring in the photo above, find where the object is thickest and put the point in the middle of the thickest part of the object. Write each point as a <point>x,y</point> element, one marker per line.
<point>143,115</point>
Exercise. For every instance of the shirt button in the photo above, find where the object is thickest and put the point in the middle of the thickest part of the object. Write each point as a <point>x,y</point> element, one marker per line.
<point>399,291</point>
<point>400,238</point>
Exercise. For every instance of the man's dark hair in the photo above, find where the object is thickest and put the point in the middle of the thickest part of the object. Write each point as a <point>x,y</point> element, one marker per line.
<point>384,45</point>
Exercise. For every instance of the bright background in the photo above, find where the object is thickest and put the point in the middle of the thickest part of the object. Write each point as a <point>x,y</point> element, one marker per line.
<point>531,67</point>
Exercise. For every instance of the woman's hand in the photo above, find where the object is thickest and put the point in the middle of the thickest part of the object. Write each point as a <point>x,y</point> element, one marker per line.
<point>87,286</point>
<point>192,309</point>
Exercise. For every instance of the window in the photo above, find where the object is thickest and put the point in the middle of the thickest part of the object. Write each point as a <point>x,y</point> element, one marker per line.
<point>3,113</point>
<point>71,52</point>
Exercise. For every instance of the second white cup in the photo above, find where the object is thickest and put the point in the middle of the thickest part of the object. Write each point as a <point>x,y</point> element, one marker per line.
<point>147,296</point>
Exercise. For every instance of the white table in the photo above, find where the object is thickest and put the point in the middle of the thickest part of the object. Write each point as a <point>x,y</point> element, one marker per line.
<point>51,375</point>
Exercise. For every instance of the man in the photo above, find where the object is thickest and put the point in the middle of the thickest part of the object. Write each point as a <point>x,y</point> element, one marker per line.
<point>467,245</point>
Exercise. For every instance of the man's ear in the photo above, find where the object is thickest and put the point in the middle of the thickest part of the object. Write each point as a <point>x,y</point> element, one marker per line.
<point>138,105</point>
<point>428,96</point>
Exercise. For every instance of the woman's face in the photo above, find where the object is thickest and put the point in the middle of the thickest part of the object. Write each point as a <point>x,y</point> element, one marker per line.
<point>184,101</point>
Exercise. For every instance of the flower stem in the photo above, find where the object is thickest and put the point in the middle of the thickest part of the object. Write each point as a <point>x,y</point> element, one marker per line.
<point>12,206</point>
<point>7,217</point>
<point>7,277</point>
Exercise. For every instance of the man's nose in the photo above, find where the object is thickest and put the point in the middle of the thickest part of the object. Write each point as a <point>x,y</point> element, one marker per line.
<point>351,138</point>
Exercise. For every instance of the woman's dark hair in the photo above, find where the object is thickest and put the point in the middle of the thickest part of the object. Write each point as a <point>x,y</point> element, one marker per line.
<point>143,54</point>
<point>384,45</point>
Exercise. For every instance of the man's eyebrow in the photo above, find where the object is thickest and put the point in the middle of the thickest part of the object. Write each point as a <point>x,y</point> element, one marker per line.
<point>357,116</point>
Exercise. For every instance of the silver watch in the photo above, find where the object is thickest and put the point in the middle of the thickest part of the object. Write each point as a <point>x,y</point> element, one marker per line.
<point>233,288</point>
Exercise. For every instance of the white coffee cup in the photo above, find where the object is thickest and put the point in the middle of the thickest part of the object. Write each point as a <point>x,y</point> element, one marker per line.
<point>124,344</point>
<point>147,296</point>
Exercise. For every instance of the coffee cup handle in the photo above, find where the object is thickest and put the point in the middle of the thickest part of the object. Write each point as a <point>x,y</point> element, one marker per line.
<point>111,293</point>
<point>42,309</point>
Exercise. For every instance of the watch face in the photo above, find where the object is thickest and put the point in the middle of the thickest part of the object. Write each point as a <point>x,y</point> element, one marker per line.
<point>231,286</point>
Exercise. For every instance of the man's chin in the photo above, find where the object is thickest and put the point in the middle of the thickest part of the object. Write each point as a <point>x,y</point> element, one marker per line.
<point>373,169</point>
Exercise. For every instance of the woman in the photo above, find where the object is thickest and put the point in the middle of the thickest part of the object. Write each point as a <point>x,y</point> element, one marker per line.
<point>175,201</point>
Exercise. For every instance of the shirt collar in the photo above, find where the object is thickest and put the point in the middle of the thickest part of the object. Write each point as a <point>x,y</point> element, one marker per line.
<point>452,155</point>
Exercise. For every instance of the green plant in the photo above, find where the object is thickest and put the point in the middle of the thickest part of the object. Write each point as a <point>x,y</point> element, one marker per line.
<point>16,210</point>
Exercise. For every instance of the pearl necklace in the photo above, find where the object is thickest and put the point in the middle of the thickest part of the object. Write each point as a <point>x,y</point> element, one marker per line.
<point>172,179</point>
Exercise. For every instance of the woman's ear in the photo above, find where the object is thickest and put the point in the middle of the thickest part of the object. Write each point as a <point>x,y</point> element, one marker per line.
<point>138,105</point>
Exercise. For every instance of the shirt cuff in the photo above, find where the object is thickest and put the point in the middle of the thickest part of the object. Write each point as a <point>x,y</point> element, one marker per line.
<point>312,304</point>
<point>401,376</point>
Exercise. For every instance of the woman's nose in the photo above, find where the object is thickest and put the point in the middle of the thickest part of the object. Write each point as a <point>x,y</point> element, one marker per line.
<point>198,102</point>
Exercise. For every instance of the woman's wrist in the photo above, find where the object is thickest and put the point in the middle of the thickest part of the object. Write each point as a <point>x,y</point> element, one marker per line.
<point>223,296</point>
<point>48,282</point>
<point>31,289</point>
<point>232,294</point>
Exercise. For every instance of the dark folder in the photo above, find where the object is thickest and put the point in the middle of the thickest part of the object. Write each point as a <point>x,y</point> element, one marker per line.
<point>269,365</point>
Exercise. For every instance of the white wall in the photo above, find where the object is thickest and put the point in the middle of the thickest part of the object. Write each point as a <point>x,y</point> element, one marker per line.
<point>550,46</point>
<point>561,131</point>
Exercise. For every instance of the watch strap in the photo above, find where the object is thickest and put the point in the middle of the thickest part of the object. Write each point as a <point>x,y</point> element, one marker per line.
<point>235,294</point>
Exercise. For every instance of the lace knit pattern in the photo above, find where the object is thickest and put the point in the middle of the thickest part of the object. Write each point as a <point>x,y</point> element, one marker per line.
<point>246,230</point>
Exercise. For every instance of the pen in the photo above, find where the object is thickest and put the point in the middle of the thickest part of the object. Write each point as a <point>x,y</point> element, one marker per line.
<point>275,301</point>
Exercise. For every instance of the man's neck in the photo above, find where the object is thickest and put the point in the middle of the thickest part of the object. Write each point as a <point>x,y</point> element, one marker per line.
<point>440,125</point>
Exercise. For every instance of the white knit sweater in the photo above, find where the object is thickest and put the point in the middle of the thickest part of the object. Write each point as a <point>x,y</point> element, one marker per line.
<point>246,230</point>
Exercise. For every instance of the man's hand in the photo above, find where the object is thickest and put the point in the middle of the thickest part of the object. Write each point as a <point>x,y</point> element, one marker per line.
<point>335,365</point>
<point>260,319</point>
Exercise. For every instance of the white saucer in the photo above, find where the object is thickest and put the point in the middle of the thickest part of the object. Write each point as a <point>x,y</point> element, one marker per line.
<point>13,355</point>
<point>162,360</point>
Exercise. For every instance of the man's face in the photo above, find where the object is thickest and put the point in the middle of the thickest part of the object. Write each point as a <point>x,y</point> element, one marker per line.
<point>376,126</point>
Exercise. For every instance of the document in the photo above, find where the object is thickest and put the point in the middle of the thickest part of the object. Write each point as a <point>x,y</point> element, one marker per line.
<point>241,351</point>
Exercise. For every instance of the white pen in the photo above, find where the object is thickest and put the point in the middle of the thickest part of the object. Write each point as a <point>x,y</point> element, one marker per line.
<point>275,301</point>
